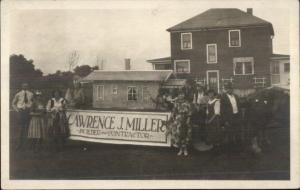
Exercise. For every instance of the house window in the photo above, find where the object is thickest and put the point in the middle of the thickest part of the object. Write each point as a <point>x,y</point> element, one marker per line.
<point>132,93</point>
<point>115,90</point>
<point>234,38</point>
<point>100,92</point>
<point>182,66</point>
<point>243,66</point>
<point>146,94</point>
<point>286,67</point>
<point>186,41</point>
<point>275,72</point>
<point>211,53</point>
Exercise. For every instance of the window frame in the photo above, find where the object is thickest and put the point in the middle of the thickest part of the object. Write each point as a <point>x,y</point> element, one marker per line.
<point>97,92</point>
<point>216,52</point>
<point>229,38</point>
<point>181,40</point>
<point>277,63</point>
<point>284,68</point>
<point>114,87</point>
<point>180,60</point>
<point>243,60</point>
<point>128,92</point>
<point>143,92</point>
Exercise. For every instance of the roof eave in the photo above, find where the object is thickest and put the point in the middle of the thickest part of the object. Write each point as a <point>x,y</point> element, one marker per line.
<point>224,27</point>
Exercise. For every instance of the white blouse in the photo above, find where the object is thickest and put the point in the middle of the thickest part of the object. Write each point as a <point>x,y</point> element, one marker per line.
<point>216,106</point>
<point>58,105</point>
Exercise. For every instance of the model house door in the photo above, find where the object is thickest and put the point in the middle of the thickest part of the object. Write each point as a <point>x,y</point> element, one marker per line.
<point>213,80</point>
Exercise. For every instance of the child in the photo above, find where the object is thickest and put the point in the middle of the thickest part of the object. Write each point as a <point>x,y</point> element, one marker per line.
<point>37,130</point>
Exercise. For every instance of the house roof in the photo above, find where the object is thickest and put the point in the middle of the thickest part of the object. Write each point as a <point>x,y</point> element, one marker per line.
<point>164,60</point>
<point>220,18</point>
<point>128,75</point>
<point>280,56</point>
<point>173,83</point>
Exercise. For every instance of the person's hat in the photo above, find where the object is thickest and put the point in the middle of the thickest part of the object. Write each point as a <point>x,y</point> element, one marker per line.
<point>24,84</point>
<point>228,85</point>
<point>200,85</point>
<point>212,91</point>
<point>38,93</point>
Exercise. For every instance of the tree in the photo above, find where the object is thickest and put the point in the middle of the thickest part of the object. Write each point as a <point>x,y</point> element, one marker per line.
<point>73,59</point>
<point>84,70</point>
<point>22,70</point>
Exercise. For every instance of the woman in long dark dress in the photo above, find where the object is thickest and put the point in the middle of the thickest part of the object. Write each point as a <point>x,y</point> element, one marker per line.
<point>57,120</point>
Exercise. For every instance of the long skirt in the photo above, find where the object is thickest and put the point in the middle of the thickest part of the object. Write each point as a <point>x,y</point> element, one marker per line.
<point>58,126</point>
<point>214,132</point>
<point>37,128</point>
<point>181,134</point>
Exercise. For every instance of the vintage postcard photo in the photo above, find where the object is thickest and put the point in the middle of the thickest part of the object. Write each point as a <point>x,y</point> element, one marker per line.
<point>149,94</point>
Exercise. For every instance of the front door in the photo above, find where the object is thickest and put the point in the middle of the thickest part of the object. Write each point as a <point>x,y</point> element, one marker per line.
<point>213,80</point>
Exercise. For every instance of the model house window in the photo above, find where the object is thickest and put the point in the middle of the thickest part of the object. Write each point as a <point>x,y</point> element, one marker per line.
<point>132,93</point>
<point>243,66</point>
<point>186,40</point>
<point>182,66</point>
<point>211,53</point>
<point>234,38</point>
<point>275,72</point>
<point>286,67</point>
<point>115,89</point>
<point>100,92</point>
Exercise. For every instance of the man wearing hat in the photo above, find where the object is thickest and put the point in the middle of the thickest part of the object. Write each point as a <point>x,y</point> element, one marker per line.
<point>230,114</point>
<point>22,103</point>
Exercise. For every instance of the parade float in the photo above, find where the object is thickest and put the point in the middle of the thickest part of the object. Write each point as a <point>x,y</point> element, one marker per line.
<point>123,110</point>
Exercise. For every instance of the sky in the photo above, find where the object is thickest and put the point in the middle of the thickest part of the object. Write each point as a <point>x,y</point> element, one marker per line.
<point>115,32</point>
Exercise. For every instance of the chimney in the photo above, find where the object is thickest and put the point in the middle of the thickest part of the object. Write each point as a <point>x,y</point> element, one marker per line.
<point>127,64</point>
<point>250,11</point>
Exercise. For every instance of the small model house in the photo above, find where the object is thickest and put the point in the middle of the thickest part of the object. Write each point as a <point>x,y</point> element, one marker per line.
<point>127,89</point>
<point>222,45</point>
<point>280,70</point>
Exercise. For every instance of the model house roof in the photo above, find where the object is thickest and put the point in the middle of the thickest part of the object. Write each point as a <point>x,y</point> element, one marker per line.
<point>164,60</point>
<point>128,75</point>
<point>220,18</point>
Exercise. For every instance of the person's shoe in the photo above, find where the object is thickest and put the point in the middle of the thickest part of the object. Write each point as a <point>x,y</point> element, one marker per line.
<point>180,152</point>
<point>185,152</point>
<point>256,148</point>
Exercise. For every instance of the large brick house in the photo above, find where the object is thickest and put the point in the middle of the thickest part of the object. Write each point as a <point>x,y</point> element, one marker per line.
<point>221,45</point>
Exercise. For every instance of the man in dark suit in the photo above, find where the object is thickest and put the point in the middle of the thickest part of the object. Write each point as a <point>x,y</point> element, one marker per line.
<point>231,114</point>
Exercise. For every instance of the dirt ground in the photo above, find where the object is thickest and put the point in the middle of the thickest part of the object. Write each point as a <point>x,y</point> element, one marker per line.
<point>85,160</point>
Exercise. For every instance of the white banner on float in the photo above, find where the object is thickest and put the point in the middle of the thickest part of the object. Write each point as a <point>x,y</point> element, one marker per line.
<point>119,127</point>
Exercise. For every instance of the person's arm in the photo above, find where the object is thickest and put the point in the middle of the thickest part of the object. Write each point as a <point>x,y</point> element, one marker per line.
<point>48,107</point>
<point>189,114</point>
<point>216,111</point>
<point>14,103</point>
<point>217,107</point>
<point>30,102</point>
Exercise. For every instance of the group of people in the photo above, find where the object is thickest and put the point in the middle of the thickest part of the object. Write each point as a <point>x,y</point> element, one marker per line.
<point>212,120</point>
<point>215,118</point>
<point>41,121</point>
